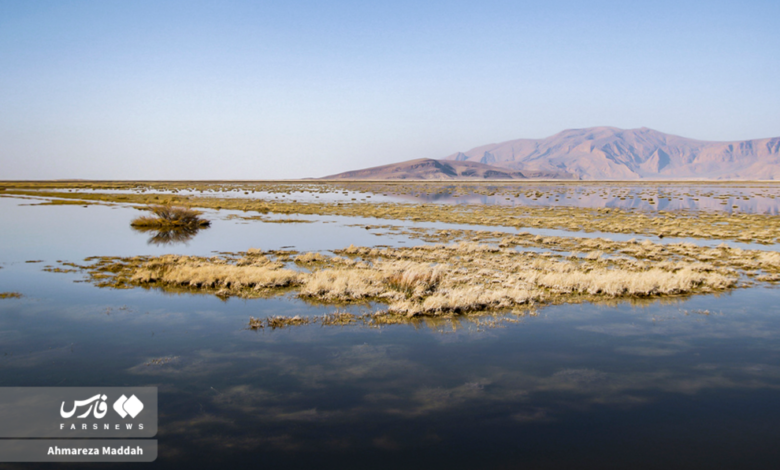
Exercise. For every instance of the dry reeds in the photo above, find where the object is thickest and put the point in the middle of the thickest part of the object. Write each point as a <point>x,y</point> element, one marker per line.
<point>464,299</point>
<point>427,280</point>
<point>621,282</point>
<point>204,273</point>
<point>411,278</point>
<point>342,284</point>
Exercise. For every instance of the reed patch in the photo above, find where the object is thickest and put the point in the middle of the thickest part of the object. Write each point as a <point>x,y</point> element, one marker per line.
<point>427,280</point>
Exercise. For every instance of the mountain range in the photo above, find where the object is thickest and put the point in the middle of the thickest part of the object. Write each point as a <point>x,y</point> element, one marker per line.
<point>596,153</point>
<point>430,169</point>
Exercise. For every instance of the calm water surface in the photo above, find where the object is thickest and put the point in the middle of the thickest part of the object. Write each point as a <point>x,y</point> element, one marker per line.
<point>686,383</point>
<point>760,198</point>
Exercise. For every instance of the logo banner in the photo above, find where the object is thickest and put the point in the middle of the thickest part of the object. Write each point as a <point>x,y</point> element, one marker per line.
<point>77,412</point>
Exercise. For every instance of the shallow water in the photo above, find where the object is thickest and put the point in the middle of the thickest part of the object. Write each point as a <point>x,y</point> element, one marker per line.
<point>681,383</point>
<point>758,198</point>
<point>72,233</point>
<point>748,198</point>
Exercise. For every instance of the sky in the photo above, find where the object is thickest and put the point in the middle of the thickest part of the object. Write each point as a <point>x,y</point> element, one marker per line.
<point>290,89</point>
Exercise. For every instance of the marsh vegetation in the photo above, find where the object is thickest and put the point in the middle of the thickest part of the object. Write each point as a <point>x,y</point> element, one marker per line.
<point>170,224</point>
<point>400,311</point>
<point>456,271</point>
<point>171,217</point>
<point>755,226</point>
<point>440,280</point>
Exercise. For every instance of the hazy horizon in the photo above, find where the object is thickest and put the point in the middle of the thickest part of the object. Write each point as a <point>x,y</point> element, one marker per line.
<point>241,90</point>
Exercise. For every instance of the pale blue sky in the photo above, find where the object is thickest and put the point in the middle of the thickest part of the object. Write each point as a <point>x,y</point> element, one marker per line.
<point>257,90</point>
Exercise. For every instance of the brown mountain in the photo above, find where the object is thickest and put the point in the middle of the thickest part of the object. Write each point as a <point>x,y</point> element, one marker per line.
<point>429,169</point>
<point>618,154</point>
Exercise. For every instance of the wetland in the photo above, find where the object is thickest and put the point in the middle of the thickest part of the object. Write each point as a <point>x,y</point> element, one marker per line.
<point>335,324</point>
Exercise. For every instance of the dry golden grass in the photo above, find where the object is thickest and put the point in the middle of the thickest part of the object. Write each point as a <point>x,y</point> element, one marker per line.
<point>464,300</point>
<point>644,254</point>
<point>427,280</point>
<point>412,278</point>
<point>342,284</point>
<point>308,258</point>
<point>616,283</point>
<point>212,274</point>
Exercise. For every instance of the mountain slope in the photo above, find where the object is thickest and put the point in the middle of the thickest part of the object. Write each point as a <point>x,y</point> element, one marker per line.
<point>429,169</point>
<point>612,153</point>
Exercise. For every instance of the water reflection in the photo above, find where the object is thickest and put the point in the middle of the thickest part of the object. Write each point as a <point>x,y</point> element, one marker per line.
<point>327,397</point>
<point>169,236</point>
<point>728,204</point>
<point>742,197</point>
<point>577,386</point>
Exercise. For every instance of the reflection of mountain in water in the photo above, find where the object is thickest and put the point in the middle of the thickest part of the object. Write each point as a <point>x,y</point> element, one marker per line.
<point>169,236</point>
<point>706,198</point>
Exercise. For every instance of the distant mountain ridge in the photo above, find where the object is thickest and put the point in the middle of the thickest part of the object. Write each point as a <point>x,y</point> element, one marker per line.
<point>628,154</point>
<point>430,169</point>
<point>595,153</point>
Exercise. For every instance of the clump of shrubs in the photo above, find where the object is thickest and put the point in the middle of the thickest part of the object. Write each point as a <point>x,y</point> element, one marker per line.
<point>171,217</point>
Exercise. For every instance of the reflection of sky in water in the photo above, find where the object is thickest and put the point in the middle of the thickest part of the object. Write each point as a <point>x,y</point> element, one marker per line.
<point>73,233</point>
<point>169,236</point>
<point>578,386</point>
<point>638,376</point>
<point>762,198</point>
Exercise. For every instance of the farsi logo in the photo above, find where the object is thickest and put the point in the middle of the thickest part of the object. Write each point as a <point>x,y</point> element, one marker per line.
<point>98,403</point>
<point>128,406</point>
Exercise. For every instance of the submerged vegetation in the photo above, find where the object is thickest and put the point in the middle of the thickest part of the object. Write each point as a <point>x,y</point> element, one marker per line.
<point>10,295</point>
<point>278,321</point>
<point>480,320</point>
